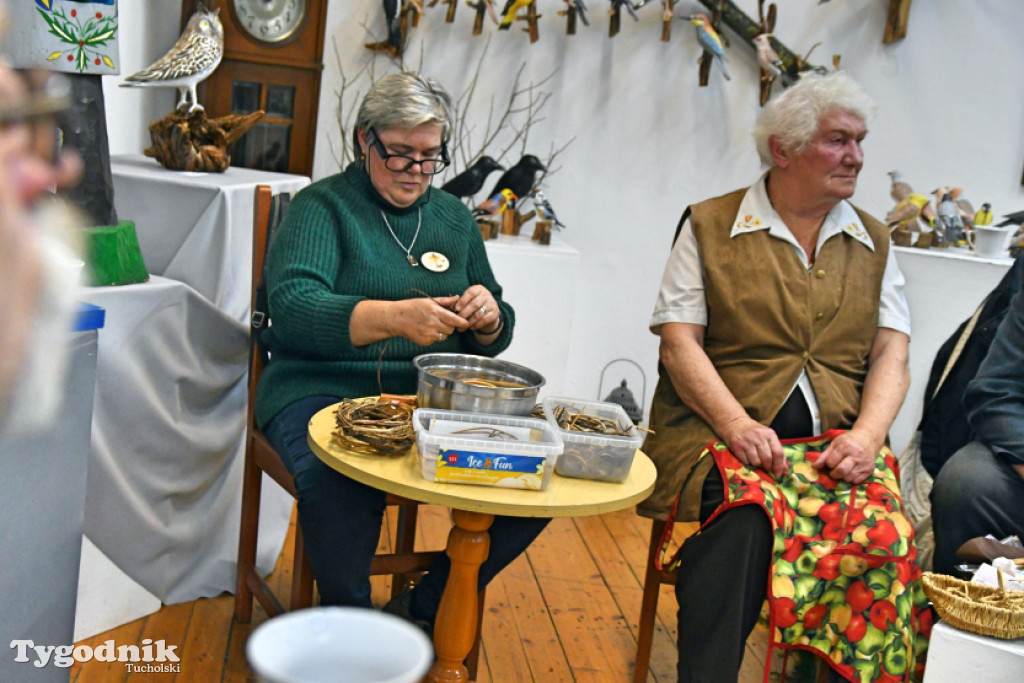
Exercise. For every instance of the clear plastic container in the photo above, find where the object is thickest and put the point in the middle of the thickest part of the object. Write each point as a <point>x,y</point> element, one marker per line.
<point>604,457</point>
<point>475,448</point>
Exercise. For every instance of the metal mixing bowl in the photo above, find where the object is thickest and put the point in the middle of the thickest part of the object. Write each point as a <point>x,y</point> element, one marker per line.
<point>442,384</point>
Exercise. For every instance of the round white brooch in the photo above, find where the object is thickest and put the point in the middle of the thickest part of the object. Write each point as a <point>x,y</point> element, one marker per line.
<point>434,261</point>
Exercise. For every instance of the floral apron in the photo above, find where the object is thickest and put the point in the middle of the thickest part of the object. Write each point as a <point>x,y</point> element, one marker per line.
<point>843,582</point>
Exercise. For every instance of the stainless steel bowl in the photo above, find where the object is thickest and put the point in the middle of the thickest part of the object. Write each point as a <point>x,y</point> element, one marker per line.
<point>442,384</point>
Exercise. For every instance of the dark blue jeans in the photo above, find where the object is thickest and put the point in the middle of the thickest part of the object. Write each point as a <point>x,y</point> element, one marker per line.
<point>341,522</point>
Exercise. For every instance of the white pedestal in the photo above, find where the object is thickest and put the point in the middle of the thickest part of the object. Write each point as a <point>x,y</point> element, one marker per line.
<point>540,281</point>
<point>956,656</point>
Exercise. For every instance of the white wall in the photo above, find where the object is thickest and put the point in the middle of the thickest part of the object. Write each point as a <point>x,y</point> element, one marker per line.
<point>648,140</point>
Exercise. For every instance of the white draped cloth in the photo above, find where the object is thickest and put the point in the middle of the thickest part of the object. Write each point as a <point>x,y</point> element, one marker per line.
<point>163,498</point>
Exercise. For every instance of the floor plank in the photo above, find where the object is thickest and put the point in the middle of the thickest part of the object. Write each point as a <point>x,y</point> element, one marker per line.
<point>566,610</point>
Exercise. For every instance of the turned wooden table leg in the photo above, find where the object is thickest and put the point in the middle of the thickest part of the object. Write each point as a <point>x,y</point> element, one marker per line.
<point>456,624</point>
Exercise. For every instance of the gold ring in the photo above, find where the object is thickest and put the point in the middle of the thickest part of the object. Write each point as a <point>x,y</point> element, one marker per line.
<point>440,336</point>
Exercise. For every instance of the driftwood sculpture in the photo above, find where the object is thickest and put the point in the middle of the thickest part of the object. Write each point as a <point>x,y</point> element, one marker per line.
<point>192,142</point>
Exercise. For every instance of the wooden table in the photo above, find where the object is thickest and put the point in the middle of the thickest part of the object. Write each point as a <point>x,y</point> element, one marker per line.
<point>473,510</point>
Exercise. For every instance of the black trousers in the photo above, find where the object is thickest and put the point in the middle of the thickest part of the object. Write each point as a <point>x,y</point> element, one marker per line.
<point>723,575</point>
<point>976,493</point>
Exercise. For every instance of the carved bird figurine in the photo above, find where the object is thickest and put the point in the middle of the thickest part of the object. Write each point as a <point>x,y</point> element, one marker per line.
<point>769,59</point>
<point>709,39</point>
<point>520,177</point>
<point>392,16</point>
<point>948,216</point>
<point>1015,218</point>
<point>508,14</point>
<point>984,215</point>
<point>496,204</point>
<point>581,10</point>
<point>190,61</point>
<point>471,181</point>
<point>631,8</point>
<point>544,208</point>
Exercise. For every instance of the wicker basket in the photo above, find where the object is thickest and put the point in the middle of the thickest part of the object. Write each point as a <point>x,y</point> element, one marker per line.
<point>975,607</point>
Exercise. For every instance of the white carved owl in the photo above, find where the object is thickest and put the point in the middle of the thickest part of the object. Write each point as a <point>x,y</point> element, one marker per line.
<point>192,59</point>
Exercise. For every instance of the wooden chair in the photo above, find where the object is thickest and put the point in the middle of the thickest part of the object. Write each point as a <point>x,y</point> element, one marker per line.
<point>260,458</point>
<point>653,580</point>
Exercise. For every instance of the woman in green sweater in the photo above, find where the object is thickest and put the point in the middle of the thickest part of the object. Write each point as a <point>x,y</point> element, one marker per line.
<point>370,268</point>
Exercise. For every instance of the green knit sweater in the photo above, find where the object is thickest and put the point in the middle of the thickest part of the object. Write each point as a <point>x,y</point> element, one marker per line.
<point>334,250</point>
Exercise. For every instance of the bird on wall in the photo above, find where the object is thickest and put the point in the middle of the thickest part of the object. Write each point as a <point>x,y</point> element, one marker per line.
<point>984,215</point>
<point>544,208</point>
<point>508,14</point>
<point>581,10</point>
<point>520,177</point>
<point>189,62</point>
<point>630,7</point>
<point>769,59</point>
<point>392,16</point>
<point>709,39</point>
<point>471,181</point>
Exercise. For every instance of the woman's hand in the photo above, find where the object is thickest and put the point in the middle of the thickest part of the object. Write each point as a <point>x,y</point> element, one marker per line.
<point>425,321</point>
<point>755,445</point>
<point>478,307</point>
<point>850,456</point>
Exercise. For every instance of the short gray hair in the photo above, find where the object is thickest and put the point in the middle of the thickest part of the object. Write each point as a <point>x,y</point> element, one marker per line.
<point>793,118</point>
<point>405,100</point>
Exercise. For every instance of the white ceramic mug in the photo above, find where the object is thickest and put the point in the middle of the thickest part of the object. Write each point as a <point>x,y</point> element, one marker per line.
<point>338,645</point>
<point>990,242</point>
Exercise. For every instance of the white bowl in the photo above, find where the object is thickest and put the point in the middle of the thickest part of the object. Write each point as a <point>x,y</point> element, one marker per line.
<point>344,644</point>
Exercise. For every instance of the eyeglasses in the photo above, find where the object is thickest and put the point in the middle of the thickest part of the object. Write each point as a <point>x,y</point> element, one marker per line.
<point>400,162</point>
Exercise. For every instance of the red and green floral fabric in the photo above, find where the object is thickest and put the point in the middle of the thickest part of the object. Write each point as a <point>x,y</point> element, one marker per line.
<point>844,583</point>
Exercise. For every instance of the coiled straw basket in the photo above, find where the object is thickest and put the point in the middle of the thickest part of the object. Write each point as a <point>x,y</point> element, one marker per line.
<point>974,607</point>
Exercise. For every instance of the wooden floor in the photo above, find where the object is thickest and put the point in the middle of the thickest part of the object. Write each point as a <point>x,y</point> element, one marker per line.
<point>566,610</point>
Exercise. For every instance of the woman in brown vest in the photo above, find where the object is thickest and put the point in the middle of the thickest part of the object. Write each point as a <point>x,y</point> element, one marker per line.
<point>781,315</point>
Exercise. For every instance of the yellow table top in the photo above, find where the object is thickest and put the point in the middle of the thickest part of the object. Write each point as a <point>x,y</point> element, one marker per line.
<point>400,475</point>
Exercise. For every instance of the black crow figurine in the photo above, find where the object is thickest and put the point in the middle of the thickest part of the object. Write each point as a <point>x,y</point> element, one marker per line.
<point>471,181</point>
<point>520,177</point>
<point>1015,218</point>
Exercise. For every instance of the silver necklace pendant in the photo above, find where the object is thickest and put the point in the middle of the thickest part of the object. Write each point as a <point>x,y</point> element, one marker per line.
<point>408,251</point>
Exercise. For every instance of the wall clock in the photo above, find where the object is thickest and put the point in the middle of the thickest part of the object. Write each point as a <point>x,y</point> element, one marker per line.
<point>273,58</point>
<point>270,21</point>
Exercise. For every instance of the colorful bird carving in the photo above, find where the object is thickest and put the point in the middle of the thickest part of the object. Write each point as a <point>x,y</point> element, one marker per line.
<point>470,181</point>
<point>508,14</point>
<point>769,59</point>
<point>709,39</point>
<point>544,208</point>
<point>496,204</point>
<point>190,61</point>
<point>984,215</point>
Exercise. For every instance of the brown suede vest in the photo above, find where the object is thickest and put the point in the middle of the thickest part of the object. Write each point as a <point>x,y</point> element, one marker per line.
<point>769,318</point>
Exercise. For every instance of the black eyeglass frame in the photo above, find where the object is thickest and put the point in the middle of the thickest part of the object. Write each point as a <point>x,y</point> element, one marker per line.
<point>440,163</point>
